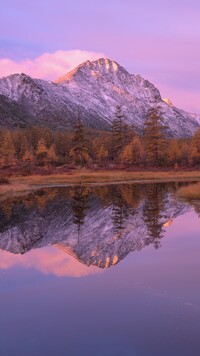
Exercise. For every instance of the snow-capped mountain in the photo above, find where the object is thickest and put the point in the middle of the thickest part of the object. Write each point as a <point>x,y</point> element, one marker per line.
<point>96,88</point>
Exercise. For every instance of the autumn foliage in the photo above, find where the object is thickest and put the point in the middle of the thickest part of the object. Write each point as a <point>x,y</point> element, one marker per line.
<point>34,147</point>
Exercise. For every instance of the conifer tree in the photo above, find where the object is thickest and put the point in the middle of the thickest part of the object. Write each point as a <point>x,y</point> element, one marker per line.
<point>28,160</point>
<point>52,157</point>
<point>154,139</point>
<point>194,154</point>
<point>62,144</point>
<point>120,134</point>
<point>20,143</point>
<point>80,148</point>
<point>193,157</point>
<point>7,149</point>
<point>184,154</point>
<point>34,135</point>
<point>48,138</point>
<point>41,152</point>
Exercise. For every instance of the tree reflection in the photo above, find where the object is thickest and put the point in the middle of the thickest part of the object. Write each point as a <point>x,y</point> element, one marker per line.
<point>79,207</point>
<point>125,200</point>
<point>120,213</point>
<point>111,219</point>
<point>154,213</point>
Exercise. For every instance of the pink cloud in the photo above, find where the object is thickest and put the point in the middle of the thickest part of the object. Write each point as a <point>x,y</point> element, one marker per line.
<point>175,72</point>
<point>48,65</point>
<point>48,261</point>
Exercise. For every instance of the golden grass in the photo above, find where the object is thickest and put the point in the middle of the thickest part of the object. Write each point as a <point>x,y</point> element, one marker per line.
<point>89,176</point>
<point>86,176</point>
<point>191,192</point>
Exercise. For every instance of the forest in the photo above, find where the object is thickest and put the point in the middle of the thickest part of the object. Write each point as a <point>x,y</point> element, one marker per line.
<point>29,149</point>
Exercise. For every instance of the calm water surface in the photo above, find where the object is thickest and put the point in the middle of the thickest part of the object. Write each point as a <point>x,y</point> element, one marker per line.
<point>111,270</point>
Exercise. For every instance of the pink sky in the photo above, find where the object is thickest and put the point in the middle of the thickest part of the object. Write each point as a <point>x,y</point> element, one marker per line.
<point>159,40</point>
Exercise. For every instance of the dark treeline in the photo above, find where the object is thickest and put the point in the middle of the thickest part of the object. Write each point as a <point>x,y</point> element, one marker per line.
<point>40,147</point>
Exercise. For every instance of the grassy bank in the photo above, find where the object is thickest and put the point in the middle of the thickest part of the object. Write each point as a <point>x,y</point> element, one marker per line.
<point>191,192</point>
<point>14,188</point>
<point>86,176</point>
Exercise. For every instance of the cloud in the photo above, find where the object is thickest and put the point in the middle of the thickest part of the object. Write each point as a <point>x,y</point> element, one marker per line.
<point>48,66</point>
<point>48,260</point>
<point>174,72</point>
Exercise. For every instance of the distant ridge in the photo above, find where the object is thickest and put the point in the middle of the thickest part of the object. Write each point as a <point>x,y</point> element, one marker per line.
<point>96,88</point>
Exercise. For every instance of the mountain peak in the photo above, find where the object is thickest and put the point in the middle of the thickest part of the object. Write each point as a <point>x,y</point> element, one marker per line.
<point>96,88</point>
<point>107,64</point>
<point>100,67</point>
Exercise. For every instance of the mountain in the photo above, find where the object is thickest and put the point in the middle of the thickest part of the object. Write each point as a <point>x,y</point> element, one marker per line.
<point>99,227</point>
<point>11,113</point>
<point>96,88</point>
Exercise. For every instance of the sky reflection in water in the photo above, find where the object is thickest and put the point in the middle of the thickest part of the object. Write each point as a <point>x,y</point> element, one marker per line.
<point>147,304</point>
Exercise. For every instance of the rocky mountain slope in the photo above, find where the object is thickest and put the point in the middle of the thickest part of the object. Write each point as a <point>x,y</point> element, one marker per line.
<point>96,88</point>
<point>11,113</point>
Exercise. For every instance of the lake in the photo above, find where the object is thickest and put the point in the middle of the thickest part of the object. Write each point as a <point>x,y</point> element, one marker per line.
<point>100,270</point>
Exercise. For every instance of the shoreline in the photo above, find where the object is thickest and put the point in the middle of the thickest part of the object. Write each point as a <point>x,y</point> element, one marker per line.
<point>26,184</point>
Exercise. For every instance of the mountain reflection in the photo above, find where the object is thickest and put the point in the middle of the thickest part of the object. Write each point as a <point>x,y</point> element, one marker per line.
<point>98,225</point>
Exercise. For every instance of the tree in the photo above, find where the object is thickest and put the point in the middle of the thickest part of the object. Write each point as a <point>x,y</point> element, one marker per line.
<point>102,154</point>
<point>28,160</point>
<point>7,149</point>
<point>194,152</point>
<point>133,153</point>
<point>154,139</point>
<point>20,143</point>
<point>120,134</point>
<point>126,155</point>
<point>52,157</point>
<point>101,146</point>
<point>173,152</point>
<point>193,158</point>
<point>48,138</point>
<point>80,148</point>
<point>184,154</point>
<point>41,152</point>
<point>34,134</point>
<point>62,141</point>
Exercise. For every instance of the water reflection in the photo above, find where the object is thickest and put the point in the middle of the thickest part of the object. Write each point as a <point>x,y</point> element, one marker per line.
<point>48,260</point>
<point>98,226</point>
<point>79,205</point>
<point>155,213</point>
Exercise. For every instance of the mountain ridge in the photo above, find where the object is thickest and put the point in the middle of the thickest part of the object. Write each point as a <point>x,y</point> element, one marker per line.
<point>96,88</point>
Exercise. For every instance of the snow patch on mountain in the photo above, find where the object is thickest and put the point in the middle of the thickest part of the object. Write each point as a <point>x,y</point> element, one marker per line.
<point>95,88</point>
